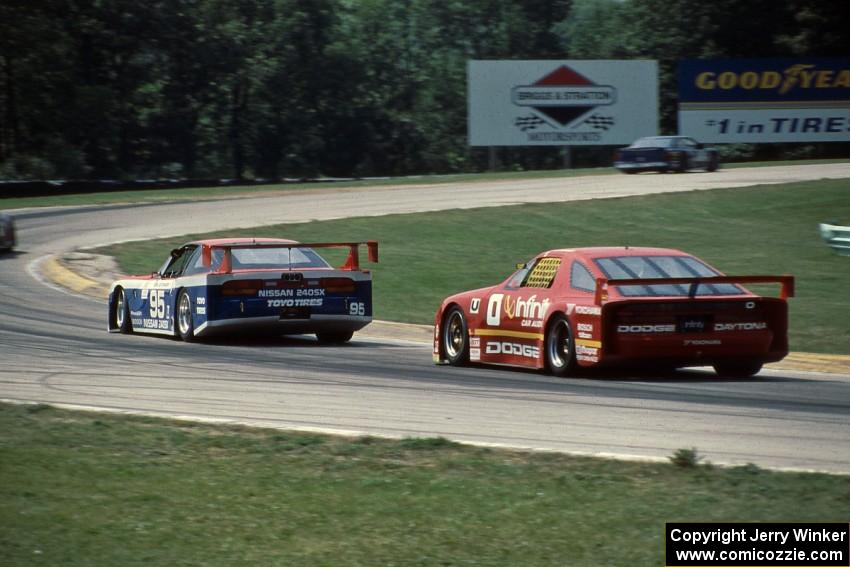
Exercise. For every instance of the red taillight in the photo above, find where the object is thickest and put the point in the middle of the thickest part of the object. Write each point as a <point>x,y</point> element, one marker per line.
<point>241,287</point>
<point>338,285</point>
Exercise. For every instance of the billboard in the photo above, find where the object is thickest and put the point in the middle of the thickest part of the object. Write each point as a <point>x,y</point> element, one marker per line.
<point>561,103</point>
<point>765,100</point>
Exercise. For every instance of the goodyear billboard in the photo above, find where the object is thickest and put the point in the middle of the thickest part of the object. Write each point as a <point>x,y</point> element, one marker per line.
<point>765,100</point>
<point>561,103</point>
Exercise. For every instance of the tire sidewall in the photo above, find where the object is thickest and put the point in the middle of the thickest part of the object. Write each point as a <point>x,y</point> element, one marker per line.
<point>568,364</point>
<point>188,334</point>
<point>123,324</point>
<point>462,356</point>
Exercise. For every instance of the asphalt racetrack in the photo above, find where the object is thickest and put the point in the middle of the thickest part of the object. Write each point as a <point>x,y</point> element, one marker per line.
<point>54,348</point>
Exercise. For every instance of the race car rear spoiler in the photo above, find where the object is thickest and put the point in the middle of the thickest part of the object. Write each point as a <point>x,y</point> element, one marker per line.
<point>352,263</point>
<point>787,283</point>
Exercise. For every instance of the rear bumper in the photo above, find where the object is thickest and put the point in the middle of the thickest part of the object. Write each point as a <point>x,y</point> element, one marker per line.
<point>276,325</point>
<point>648,165</point>
<point>690,350</point>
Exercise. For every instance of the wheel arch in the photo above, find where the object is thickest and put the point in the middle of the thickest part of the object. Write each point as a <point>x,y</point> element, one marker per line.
<point>551,317</point>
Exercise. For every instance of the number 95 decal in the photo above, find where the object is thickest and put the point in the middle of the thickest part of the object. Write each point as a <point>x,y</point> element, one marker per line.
<point>157,303</point>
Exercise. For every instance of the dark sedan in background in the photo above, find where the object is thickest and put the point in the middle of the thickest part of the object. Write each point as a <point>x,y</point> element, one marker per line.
<point>7,233</point>
<point>666,153</point>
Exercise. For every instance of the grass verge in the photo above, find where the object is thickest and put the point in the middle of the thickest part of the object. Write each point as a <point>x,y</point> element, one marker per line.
<point>755,230</point>
<point>92,489</point>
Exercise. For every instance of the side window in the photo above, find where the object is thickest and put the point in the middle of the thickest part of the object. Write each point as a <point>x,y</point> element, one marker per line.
<point>543,273</point>
<point>195,264</point>
<point>581,278</point>
<point>518,277</point>
<point>179,260</point>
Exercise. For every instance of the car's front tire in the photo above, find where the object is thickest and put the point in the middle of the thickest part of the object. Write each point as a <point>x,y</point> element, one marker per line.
<point>559,347</point>
<point>713,163</point>
<point>121,312</point>
<point>183,321</point>
<point>455,337</point>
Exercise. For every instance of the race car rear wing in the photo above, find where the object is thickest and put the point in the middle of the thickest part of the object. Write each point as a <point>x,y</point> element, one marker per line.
<point>352,263</point>
<point>786,291</point>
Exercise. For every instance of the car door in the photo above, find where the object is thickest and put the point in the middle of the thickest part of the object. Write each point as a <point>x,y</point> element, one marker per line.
<point>516,313</point>
<point>159,294</point>
<point>697,155</point>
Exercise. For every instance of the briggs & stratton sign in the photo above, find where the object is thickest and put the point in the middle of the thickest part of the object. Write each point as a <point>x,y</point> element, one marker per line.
<point>559,103</point>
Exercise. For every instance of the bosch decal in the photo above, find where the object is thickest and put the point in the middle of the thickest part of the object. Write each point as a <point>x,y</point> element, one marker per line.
<point>585,330</point>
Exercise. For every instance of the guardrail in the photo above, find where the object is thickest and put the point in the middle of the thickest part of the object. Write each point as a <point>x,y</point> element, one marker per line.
<point>838,237</point>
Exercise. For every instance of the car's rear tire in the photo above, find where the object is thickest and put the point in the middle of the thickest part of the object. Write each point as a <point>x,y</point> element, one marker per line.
<point>629,171</point>
<point>455,337</point>
<point>183,320</point>
<point>121,312</point>
<point>334,338</point>
<point>683,165</point>
<point>713,163</point>
<point>559,347</point>
<point>743,369</point>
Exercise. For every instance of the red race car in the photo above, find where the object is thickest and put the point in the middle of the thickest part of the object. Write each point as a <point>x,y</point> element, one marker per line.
<point>619,306</point>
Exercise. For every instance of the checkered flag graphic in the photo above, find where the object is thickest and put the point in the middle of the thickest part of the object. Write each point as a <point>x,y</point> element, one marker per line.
<point>599,122</point>
<point>530,122</point>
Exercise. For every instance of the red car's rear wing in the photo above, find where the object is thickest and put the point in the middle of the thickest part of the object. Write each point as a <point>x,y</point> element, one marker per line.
<point>352,263</point>
<point>787,283</point>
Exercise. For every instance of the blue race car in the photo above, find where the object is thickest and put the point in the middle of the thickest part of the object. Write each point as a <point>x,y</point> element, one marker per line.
<point>270,285</point>
<point>666,153</point>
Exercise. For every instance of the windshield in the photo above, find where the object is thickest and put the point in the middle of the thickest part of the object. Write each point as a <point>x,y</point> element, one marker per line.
<point>630,267</point>
<point>266,257</point>
<point>653,143</point>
